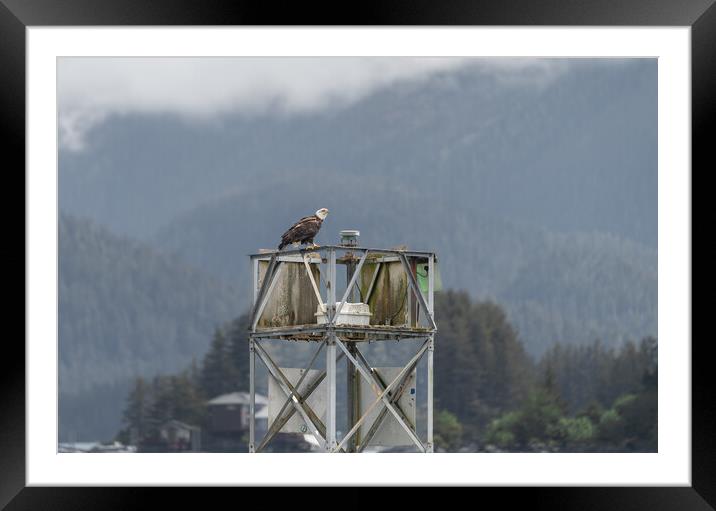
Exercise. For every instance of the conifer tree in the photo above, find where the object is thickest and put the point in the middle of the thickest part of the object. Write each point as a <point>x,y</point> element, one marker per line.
<point>218,373</point>
<point>137,411</point>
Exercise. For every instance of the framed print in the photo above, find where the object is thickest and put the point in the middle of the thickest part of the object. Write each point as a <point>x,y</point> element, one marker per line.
<point>511,204</point>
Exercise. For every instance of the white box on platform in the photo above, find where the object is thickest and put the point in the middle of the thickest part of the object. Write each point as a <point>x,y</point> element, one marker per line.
<point>351,314</point>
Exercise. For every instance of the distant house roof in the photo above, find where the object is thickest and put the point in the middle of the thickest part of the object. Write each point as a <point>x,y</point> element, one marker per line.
<point>237,398</point>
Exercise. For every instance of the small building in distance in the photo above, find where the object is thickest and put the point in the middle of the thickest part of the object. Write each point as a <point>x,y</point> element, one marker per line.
<point>228,426</point>
<point>179,436</point>
<point>228,414</point>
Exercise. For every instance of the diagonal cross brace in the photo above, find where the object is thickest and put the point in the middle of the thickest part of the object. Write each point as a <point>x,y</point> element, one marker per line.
<point>382,395</point>
<point>394,397</point>
<point>365,441</point>
<point>313,283</point>
<point>269,282</point>
<point>373,280</point>
<point>348,288</point>
<point>264,284</point>
<point>391,404</point>
<point>416,290</point>
<point>301,407</point>
<point>281,420</point>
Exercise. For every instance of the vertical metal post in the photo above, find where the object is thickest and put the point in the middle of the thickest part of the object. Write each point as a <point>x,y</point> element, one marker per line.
<point>331,393</point>
<point>352,401</point>
<point>350,270</point>
<point>331,284</point>
<point>331,354</point>
<point>252,399</point>
<point>410,308</point>
<point>351,375</point>
<point>431,285</point>
<point>431,349</point>
<point>254,279</point>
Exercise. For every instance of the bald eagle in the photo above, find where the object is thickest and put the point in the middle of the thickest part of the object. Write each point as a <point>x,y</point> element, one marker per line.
<point>304,230</point>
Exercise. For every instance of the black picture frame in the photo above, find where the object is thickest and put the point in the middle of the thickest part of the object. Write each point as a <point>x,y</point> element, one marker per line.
<point>17,15</point>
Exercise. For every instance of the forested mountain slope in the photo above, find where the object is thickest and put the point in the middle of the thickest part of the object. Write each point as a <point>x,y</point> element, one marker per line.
<point>127,310</point>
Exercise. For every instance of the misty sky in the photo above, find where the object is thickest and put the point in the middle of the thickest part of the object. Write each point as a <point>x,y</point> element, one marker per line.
<point>91,90</point>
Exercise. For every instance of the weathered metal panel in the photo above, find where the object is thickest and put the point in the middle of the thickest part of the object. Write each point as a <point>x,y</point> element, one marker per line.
<point>390,433</point>
<point>388,299</point>
<point>293,301</point>
<point>316,401</point>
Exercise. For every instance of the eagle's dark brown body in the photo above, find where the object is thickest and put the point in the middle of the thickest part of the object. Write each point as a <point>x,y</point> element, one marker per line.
<point>302,231</point>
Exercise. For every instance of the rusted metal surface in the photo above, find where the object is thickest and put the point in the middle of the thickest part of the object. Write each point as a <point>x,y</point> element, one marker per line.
<point>292,301</point>
<point>262,287</point>
<point>388,296</point>
<point>386,280</point>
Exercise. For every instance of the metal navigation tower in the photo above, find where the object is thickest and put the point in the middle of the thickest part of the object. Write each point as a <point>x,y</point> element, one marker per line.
<point>387,295</point>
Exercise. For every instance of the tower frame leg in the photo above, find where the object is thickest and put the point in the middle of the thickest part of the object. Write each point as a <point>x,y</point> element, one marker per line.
<point>252,399</point>
<point>331,393</point>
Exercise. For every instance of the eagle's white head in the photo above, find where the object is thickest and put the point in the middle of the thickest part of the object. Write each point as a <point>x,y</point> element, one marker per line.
<point>322,213</point>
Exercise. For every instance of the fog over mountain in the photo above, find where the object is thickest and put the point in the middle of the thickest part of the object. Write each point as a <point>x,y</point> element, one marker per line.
<point>91,90</point>
<point>536,184</point>
<point>577,153</point>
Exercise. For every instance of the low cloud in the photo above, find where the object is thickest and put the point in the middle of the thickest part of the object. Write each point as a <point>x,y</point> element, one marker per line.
<point>91,90</point>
